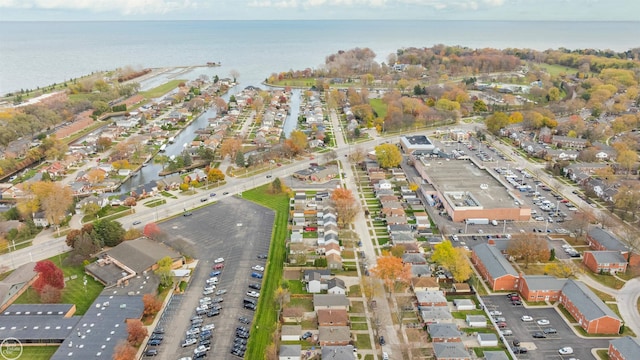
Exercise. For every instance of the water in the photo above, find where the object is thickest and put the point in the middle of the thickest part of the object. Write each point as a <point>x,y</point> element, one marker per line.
<point>36,54</point>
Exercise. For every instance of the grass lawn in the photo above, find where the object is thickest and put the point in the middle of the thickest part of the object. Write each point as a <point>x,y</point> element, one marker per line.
<point>379,107</point>
<point>296,287</point>
<point>463,314</point>
<point>603,354</point>
<point>266,316</point>
<point>37,352</point>
<point>73,293</point>
<point>606,280</point>
<point>602,295</point>
<point>357,318</point>
<point>359,326</point>
<point>363,341</point>
<point>161,90</point>
<point>357,307</point>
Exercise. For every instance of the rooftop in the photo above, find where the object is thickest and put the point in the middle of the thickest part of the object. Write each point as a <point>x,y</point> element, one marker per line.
<point>493,260</point>
<point>417,140</point>
<point>607,257</point>
<point>607,240</point>
<point>627,346</point>
<point>586,301</point>
<point>543,282</point>
<point>461,181</point>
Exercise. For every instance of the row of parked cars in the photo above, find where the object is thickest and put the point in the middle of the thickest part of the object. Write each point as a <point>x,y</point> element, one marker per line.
<point>250,302</point>
<point>200,334</point>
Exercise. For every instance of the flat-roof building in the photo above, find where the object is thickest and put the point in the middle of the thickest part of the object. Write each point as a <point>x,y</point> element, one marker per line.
<point>466,191</point>
<point>419,143</point>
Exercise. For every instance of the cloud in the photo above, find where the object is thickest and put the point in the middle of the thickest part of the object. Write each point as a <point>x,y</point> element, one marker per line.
<point>125,7</point>
<point>281,4</point>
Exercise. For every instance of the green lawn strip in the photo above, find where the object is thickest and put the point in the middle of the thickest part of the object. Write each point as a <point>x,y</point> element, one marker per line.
<point>479,351</point>
<point>37,352</point>
<point>363,341</point>
<point>463,314</point>
<point>357,319</point>
<point>368,357</point>
<point>161,90</point>
<point>606,280</point>
<point>359,326</point>
<point>603,354</point>
<point>74,291</point>
<point>265,318</point>
<point>296,287</point>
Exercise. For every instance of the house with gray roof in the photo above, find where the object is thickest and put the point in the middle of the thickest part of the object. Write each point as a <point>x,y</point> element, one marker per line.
<point>625,348</point>
<point>435,314</point>
<point>330,301</point>
<point>431,298</point>
<point>334,336</point>
<point>591,313</point>
<point>450,351</point>
<point>602,240</point>
<point>495,355</point>
<point>476,321</point>
<point>413,258</point>
<point>444,333</point>
<point>337,352</point>
<point>16,283</point>
<point>290,352</point>
<point>494,267</point>
<point>604,261</point>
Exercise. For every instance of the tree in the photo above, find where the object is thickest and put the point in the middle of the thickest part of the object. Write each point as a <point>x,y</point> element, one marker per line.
<point>240,161</point>
<point>91,209</point>
<point>230,147</point>
<point>132,233</point>
<point>52,197</point>
<point>357,155</point>
<point>346,205</point>
<point>137,332</point>
<point>276,186</point>
<point>152,231</point>
<point>388,155</point>
<point>124,351</point>
<point>496,121</point>
<point>95,176</point>
<point>103,143</point>
<point>164,271</point>
<point>398,250</point>
<point>50,295</point>
<point>627,159</point>
<point>297,142</point>
<point>528,248</point>
<point>479,106</point>
<point>152,305</point>
<point>391,270</point>
<point>215,174</point>
<point>72,236</point>
<point>452,259</point>
<point>561,269</point>
<point>48,274</point>
<point>108,232</point>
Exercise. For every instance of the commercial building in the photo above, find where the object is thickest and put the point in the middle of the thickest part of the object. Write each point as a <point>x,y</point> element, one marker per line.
<point>417,143</point>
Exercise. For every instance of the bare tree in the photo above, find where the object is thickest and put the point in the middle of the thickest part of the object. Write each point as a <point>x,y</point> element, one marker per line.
<point>235,74</point>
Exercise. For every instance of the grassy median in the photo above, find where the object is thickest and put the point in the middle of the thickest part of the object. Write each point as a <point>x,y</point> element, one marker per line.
<point>265,321</point>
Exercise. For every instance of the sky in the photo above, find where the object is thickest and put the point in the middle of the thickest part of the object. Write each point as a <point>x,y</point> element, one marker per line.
<point>507,10</point>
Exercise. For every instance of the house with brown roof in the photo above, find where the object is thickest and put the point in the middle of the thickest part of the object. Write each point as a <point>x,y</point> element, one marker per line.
<point>334,335</point>
<point>329,317</point>
<point>424,283</point>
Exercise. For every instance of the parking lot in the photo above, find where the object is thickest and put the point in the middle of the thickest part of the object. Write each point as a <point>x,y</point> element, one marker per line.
<point>237,231</point>
<point>542,348</point>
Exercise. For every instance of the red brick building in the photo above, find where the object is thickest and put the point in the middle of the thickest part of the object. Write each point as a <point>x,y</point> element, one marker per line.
<point>605,261</point>
<point>601,240</point>
<point>593,315</point>
<point>626,348</point>
<point>540,287</point>
<point>494,268</point>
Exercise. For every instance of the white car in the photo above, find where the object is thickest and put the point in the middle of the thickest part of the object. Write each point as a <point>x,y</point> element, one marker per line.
<point>254,294</point>
<point>526,318</point>
<point>495,313</point>
<point>212,281</point>
<point>207,292</point>
<point>218,260</point>
<point>258,268</point>
<point>455,237</point>
<point>567,350</point>
<point>543,322</point>
<point>188,342</point>
<point>208,327</point>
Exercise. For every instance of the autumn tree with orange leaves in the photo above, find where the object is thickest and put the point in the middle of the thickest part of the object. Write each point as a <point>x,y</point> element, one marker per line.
<point>346,206</point>
<point>124,351</point>
<point>392,271</point>
<point>152,304</point>
<point>137,332</point>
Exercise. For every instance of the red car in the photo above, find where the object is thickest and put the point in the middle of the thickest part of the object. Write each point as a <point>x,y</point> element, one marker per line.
<point>564,201</point>
<point>310,228</point>
<point>218,266</point>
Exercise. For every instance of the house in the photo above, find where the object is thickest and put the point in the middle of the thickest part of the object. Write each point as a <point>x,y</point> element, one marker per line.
<point>604,261</point>
<point>487,339</point>
<point>476,321</point>
<point>336,286</point>
<point>314,284</point>
<point>494,267</point>
<point>420,271</point>
<point>329,317</point>
<point>593,315</point>
<point>464,304</point>
<point>330,301</point>
<point>435,314</point>
<point>324,274</point>
<point>431,298</point>
<point>444,333</point>
<point>345,352</point>
<point>16,283</point>
<point>450,351</point>
<point>413,258</point>
<point>625,348</point>
<point>334,261</point>
<point>495,355</point>
<point>461,288</point>
<point>290,352</point>
<point>290,332</point>
<point>540,287</point>
<point>424,283</point>
<point>40,220</point>
<point>334,336</point>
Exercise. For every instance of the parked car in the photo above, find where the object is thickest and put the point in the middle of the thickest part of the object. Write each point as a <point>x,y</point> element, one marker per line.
<point>218,266</point>
<point>502,325</point>
<point>154,342</point>
<point>187,213</point>
<point>516,342</point>
<point>499,319</point>
<point>258,268</point>
<point>244,320</point>
<point>215,273</point>
<point>256,275</point>
<point>539,335</point>
<point>306,335</point>
<point>254,294</point>
<point>567,350</point>
<point>188,342</point>
<point>218,260</point>
<point>381,340</point>
<point>221,292</point>
<point>543,322</point>
<point>506,332</point>
<point>495,313</point>
<point>250,306</point>
<point>151,352</point>
<point>255,286</point>
<point>516,303</point>
<point>526,318</point>
<point>550,331</point>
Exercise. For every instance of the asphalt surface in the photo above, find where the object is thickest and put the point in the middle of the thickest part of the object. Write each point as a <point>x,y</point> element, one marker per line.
<point>236,230</point>
<point>547,348</point>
